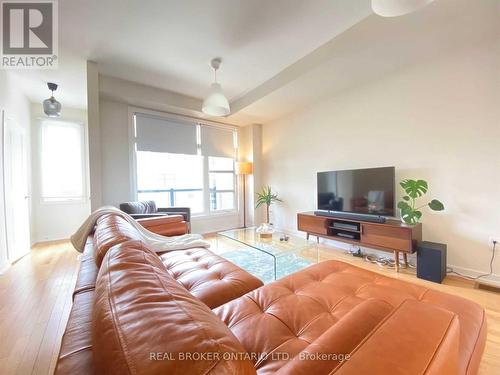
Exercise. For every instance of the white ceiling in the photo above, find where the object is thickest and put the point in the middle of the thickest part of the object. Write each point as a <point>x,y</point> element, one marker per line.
<point>374,47</point>
<point>168,43</point>
<point>277,55</point>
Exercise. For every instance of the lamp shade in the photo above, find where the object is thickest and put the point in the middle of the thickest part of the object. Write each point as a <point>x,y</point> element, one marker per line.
<point>52,107</point>
<point>395,8</point>
<point>244,168</point>
<point>216,104</point>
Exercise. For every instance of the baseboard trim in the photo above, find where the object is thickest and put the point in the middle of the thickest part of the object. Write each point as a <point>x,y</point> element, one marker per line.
<point>50,242</point>
<point>493,279</point>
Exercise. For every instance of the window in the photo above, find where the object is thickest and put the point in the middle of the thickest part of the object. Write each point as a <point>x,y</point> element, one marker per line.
<point>170,179</point>
<point>62,161</point>
<point>182,163</point>
<point>221,177</point>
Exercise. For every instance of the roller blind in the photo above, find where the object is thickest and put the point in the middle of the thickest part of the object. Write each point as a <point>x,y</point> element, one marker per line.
<point>217,142</point>
<point>165,135</point>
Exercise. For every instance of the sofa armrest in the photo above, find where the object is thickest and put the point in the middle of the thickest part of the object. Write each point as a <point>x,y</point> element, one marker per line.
<point>184,211</point>
<point>146,216</point>
<point>171,225</point>
<point>417,338</point>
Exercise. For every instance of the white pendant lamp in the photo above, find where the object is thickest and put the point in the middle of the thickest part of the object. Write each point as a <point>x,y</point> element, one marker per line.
<point>395,8</point>
<point>216,104</point>
<point>51,106</point>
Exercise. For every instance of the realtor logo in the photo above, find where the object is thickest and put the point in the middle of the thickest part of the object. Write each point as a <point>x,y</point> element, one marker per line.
<point>29,34</point>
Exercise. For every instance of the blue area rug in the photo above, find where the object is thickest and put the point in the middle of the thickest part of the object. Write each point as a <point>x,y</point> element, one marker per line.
<point>261,265</point>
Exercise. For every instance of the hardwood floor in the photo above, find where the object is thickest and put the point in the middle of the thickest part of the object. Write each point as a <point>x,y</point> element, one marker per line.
<point>35,297</point>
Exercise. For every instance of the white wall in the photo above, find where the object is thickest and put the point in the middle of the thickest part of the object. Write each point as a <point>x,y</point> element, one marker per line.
<point>94,135</point>
<point>55,220</point>
<point>16,105</point>
<point>115,162</point>
<point>438,120</point>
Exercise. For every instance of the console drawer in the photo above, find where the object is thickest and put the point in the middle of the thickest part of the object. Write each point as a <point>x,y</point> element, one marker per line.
<point>387,237</point>
<point>312,224</point>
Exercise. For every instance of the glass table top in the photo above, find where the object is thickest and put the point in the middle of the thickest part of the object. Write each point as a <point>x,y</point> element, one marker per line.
<point>273,246</point>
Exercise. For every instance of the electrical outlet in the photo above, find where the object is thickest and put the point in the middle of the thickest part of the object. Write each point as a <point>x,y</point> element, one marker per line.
<point>493,239</point>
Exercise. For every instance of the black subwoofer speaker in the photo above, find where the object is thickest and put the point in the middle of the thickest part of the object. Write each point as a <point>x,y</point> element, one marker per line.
<point>431,261</point>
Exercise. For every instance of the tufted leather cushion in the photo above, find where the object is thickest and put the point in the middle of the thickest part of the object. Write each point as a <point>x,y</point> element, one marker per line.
<point>144,207</point>
<point>140,310</point>
<point>75,355</point>
<point>473,327</point>
<point>111,230</point>
<point>418,338</point>
<point>209,277</point>
<point>299,308</point>
<point>342,337</point>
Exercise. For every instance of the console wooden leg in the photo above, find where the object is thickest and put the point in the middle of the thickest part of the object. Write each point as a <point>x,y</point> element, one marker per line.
<point>396,260</point>
<point>405,257</point>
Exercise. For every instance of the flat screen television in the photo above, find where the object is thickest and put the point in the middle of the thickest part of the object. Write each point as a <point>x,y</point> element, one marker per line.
<point>359,191</point>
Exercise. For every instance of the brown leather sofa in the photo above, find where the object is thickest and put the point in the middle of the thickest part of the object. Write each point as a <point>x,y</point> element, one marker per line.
<point>193,312</point>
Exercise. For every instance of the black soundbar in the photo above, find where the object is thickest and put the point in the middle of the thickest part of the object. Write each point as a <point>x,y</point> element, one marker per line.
<point>351,216</point>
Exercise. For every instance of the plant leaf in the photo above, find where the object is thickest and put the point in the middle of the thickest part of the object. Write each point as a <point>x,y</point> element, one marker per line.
<point>406,198</point>
<point>414,189</point>
<point>436,205</point>
<point>266,196</point>
<point>403,205</point>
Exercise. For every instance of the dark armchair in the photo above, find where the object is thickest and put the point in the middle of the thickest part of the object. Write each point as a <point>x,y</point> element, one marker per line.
<point>147,209</point>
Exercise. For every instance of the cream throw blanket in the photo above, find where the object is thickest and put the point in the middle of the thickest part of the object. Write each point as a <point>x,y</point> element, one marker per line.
<point>155,241</point>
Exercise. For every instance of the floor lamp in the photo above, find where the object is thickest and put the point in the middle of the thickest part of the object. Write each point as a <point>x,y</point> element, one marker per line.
<point>244,168</point>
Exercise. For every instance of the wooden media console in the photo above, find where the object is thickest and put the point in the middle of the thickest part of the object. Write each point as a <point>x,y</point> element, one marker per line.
<point>392,235</point>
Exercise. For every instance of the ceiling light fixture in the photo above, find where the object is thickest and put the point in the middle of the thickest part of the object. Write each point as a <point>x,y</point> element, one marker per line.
<point>216,104</point>
<point>395,8</point>
<point>51,106</point>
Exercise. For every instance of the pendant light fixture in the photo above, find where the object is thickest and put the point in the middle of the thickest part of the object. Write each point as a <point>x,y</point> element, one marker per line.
<point>51,106</point>
<point>395,8</point>
<point>216,104</point>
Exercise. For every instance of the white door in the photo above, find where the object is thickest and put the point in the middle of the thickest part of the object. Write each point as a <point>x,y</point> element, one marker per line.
<point>17,202</point>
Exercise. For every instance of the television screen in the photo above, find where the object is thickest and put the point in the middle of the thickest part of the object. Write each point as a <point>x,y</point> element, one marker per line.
<point>364,191</point>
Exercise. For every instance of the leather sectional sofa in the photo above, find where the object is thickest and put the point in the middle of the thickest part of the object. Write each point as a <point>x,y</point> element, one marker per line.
<point>193,312</point>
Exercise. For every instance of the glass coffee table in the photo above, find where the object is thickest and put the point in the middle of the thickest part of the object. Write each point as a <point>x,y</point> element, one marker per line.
<point>268,259</point>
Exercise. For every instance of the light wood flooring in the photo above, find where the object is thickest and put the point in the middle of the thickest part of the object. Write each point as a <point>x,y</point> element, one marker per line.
<point>35,300</point>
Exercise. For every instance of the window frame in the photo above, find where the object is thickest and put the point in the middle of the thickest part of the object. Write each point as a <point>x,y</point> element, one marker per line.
<point>83,144</point>
<point>207,212</point>
<point>234,191</point>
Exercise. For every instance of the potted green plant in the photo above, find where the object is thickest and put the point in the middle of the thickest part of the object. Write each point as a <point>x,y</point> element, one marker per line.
<point>266,197</point>
<point>410,212</point>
